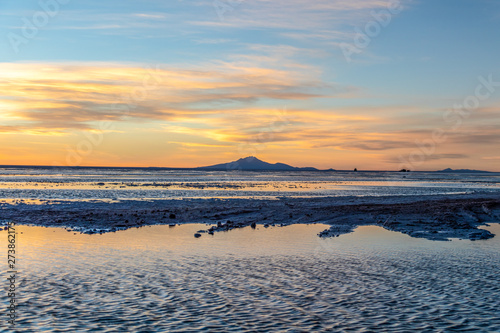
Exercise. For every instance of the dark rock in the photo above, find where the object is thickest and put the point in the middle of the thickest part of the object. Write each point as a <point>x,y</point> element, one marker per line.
<point>480,235</point>
<point>253,225</point>
<point>197,235</point>
<point>172,216</point>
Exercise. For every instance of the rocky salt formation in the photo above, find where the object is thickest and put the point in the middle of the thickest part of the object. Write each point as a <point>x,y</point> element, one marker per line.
<point>431,217</point>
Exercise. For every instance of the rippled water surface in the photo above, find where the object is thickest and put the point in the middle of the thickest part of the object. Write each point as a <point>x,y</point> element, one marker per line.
<point>162,279</point>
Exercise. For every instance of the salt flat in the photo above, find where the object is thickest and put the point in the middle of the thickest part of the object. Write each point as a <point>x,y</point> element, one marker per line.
<point>435,206</point>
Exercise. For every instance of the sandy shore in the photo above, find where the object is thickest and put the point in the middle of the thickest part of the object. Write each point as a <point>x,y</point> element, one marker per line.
<point>431,217</point>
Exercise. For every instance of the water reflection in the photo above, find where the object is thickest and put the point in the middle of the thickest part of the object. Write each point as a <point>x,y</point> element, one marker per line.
<point>161,278</point>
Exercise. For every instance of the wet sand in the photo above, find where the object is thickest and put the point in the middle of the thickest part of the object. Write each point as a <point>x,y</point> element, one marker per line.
<point>431,217</point>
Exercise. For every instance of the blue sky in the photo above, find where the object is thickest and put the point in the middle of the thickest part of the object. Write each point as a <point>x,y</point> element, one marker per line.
<point>262,56</point>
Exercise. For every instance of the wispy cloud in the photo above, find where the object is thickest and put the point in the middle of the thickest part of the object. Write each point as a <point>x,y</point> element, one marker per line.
<point>220,105</point>
<point>74,95</point>
<point>296,14</point>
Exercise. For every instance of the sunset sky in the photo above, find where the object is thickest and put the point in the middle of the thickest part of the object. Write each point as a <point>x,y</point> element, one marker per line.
<point>372,84</point>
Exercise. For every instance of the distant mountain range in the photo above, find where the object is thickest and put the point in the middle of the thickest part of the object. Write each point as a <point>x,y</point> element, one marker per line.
<point>253,163</point>
<point>250,163</point>
<point>462,171</point>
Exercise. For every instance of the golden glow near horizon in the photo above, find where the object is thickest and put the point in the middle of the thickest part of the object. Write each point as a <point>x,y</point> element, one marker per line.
<point>329,84</point>
<point>101,114</point>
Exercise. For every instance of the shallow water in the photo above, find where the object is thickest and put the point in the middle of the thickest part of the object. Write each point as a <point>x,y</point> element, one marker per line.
<point>160,278</point>
<point>35,185</point>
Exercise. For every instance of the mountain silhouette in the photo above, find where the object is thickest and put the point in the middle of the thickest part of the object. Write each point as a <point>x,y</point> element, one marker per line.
<point>449,170</point>
<point>253,163</point>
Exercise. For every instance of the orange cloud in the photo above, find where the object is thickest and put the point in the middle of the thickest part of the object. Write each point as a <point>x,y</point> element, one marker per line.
<point>74,95</point>
<point>226,110</point>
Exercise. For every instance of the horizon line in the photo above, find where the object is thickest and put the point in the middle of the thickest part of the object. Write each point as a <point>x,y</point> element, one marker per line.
<point>194,168</point>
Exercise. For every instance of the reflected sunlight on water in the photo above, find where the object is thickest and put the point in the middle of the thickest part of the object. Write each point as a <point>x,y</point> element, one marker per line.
<point>161,278</point>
